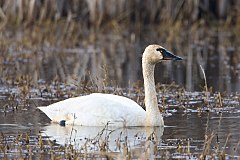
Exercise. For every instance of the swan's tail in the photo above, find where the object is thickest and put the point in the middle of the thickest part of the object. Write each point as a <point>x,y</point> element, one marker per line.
<point>47,111</point>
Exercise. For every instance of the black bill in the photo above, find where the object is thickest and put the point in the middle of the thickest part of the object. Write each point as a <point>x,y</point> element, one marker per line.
<point>167,55</point>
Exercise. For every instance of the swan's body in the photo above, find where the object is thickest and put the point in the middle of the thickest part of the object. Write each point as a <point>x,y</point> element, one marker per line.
<point>99,109</point>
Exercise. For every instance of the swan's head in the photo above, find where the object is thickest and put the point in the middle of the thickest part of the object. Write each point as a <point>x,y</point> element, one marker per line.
<point>156,53</point>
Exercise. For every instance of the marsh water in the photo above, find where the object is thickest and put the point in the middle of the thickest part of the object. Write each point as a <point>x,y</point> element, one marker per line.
<point>197,124</point>
<point>191,129</point>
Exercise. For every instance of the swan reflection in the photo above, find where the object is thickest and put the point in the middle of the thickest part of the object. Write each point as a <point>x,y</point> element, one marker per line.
<point>103,138</point>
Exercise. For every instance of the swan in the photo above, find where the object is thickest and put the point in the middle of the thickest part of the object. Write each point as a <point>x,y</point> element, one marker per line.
<point>98,109</point>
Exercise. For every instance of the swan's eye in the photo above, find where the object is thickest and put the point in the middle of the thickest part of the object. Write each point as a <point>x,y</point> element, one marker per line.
<point>160,50</point>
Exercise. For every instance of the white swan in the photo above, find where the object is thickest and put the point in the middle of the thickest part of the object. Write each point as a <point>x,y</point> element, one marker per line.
<point>98,109</point>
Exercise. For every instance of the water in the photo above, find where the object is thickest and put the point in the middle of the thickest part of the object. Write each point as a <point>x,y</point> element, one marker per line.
<point>184,135</point>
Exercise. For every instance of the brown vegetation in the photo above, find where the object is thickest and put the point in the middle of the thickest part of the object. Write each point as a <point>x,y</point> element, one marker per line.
<point>35,36</point>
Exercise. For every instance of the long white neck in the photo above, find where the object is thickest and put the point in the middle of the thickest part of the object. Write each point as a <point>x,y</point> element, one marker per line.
<point>154,117</point>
